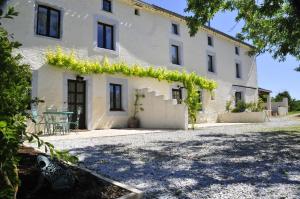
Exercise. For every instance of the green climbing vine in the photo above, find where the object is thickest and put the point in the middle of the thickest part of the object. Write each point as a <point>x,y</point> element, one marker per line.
<point>191,81</point>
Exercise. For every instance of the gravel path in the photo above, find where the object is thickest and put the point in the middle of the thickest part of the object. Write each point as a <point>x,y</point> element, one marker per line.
<point>231,162</point>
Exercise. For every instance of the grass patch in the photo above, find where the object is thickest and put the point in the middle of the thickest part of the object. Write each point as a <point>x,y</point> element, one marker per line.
<point>294,112</point>
<point>291,129</point>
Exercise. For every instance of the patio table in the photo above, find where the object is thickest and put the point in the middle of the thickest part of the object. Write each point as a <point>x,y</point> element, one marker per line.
<point>57,121</point>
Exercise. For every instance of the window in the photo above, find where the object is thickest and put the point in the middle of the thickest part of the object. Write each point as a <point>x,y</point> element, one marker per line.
<point>115,97</point>
<point>237,70</point>
<point>177,94</point>
<point>238,97</point>
<point>137,12</point>
<point>106,5</point>
<point>211,64</point>
<point>200,100</point>
<point>210,41</point>
<point>175,54</point>
<point>48,22</point>
<point>175,29</point>
<point>105,36</point>
<point>237,50</point>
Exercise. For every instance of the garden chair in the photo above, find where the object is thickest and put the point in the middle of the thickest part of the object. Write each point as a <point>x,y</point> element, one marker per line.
<point>76,122</point>
<point>37,120</point>
<point>50,121</point>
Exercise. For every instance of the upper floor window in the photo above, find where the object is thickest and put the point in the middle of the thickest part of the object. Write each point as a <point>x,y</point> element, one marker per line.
<point>177,94</point>
<point>115,92</point>
<point>137,12</point>
<point>237,70</point>
<point>237,50</point>
<point>211,63</point>
<point>48,22</point>
<point>175,28</point>
<point>210,41</point>
<point>105,36</point>
<point>106,5</point>
<point>175,54</point>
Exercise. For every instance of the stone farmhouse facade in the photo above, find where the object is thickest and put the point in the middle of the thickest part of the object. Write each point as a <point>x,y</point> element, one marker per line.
<point>137,33</point>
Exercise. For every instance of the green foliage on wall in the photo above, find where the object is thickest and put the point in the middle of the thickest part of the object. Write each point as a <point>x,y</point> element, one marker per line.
<point>191,81</point>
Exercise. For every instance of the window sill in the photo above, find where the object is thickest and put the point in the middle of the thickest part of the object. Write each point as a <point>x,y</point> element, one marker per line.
<point>107,11</point>
<point>177,65</point>
<point>116,110</point>
<point>108,51</point>
<point>175,35</point>
<point>211,73</point>
<point>49,37</point>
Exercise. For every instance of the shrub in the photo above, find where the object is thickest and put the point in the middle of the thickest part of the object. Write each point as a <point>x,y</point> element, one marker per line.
<point>241,106</point>
<point>15,80</point>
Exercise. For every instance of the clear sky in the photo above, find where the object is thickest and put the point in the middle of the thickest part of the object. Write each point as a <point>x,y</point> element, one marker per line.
<point>272,75</point>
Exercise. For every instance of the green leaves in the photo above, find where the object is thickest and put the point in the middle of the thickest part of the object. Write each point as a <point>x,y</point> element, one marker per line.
<point>273,26</point>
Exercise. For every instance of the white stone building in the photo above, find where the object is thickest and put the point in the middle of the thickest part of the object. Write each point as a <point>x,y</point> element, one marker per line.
<point>137,33</point>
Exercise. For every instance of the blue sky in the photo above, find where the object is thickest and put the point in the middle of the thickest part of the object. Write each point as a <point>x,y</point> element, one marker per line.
<point>272,75</point>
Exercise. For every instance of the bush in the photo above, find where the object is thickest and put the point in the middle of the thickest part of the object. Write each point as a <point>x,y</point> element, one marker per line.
<point>242,106</point>
<point>15,79</point>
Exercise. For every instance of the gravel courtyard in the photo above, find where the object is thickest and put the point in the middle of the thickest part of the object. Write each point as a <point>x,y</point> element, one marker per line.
<point>234,162</point>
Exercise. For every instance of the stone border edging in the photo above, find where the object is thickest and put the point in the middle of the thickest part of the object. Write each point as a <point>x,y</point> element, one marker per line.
<point>135,193</point>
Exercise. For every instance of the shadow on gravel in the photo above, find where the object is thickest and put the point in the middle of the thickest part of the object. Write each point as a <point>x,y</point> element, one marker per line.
<point>260,159</point>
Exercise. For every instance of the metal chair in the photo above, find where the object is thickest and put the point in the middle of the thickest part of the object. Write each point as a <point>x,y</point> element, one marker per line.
<point>36,119</point>
<point>76,122</point>
<point>50,121</point>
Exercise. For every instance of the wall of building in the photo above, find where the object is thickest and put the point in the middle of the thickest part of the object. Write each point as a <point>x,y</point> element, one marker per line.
<point>162,113</point>
<point>143,39</point>
<point>98,114</point>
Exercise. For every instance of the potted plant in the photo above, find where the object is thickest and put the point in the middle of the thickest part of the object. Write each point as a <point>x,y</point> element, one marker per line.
<point>134,122</point>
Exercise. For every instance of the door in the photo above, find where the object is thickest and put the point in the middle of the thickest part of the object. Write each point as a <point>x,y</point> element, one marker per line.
<point>76,101</point>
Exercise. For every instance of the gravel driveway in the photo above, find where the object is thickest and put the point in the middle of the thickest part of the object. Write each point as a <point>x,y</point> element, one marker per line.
<point>219,162</point>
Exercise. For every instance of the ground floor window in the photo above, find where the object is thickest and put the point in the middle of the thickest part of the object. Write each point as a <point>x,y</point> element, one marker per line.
<point>115,97</point>
<point>177,94</point>
<point>238,97</point>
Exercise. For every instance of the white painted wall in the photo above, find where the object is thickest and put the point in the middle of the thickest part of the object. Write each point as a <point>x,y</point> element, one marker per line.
<point>161,113</point>
<point>143,39</point>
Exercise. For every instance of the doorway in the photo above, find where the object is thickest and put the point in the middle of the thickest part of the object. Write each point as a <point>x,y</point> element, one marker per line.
<point>77,101</point>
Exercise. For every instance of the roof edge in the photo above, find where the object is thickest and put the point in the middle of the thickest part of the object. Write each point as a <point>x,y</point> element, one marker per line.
<point>184,18</point>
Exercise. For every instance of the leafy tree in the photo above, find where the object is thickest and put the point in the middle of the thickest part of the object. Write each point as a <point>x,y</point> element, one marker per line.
<point>293,104</point>
<point>14,97</point>
<point>272,25</point>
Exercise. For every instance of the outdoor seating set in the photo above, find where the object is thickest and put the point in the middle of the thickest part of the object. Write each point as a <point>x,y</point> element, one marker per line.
<point>55,121</point>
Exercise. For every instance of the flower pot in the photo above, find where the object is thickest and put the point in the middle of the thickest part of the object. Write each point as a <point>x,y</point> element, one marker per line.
<point>133,122</point>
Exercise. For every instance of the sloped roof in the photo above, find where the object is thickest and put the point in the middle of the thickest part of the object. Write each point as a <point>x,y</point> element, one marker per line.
<point>158,8</point>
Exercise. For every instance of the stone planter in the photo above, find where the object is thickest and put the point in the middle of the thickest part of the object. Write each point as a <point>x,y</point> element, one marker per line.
<point>244,117</point>
<point>133,123</point>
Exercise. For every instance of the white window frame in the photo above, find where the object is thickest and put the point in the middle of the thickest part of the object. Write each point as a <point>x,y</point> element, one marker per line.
<point>62,12</point>
<point>213,54</point>
<point>240,69</point>
<point>212,41</point>
<point>180,52</point>
<point>178,28</point>
<point>116,24</point>
<point>124,84</point>
<point>239,50</point>
<point>112,7</point>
